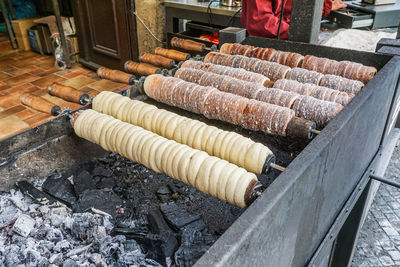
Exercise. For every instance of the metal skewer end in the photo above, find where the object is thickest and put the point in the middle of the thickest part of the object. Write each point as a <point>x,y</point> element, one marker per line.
<point>277,167</point>
<point>315,131</point>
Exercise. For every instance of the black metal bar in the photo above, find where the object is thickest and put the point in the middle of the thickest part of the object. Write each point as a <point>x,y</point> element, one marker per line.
<point>305,20</point>
<point>385,181</point>
<point>347,237</point>
<point>56,9</point>
<point>9,29</point>
<point>280,20</point>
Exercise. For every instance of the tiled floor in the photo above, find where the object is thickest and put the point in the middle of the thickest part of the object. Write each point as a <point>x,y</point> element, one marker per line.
<point>22,71</point>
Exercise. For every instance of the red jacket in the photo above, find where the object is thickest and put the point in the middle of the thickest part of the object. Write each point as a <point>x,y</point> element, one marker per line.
<point>261,17</point>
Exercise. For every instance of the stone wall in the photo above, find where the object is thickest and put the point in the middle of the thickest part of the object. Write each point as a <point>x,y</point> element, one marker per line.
<point>152,13</point>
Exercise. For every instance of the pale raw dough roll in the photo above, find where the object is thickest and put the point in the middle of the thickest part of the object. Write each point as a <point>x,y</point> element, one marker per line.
<point>202,181</point>
<point>187,131</point>
<point>210,175</point>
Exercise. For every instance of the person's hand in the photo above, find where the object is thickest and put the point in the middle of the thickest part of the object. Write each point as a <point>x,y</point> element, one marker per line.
<point>338,4</point>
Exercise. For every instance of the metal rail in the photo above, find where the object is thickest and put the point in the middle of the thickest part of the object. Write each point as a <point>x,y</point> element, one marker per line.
<point>385,181</point>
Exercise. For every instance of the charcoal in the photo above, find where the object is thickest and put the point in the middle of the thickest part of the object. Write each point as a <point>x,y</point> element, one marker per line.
<point>164,198</point>
<point>45,247</point>
<point>196,226</point>
<point>17,198</point>
<point>24,225</point>
<point>13,255</point>
<point>163,190</point>
<point>159,226</point>
<point>32,258</point>
<point>83,225</point>
<point>58,216</point>
<point>33,208</point>
<point>62,246</point>
<point>61,189</point>
<point>82,182</point>
<point>40,232</point>
<point>176,188</point>
<point>97,259</point>
<point>177,216</point>
<point>99,171</point>
<point>8,216</point>
<point>54,175</point>
<point>194,245</point>
<point>104,200</point>
<point>77,251</point>
<point>54,235</point>
<point>34,193</point>
<point>163,194</point>
<point>106,183</point>
<point>56,259</point>
<point>132,253</point>
<point>70,263</point>
<point>44,210</point>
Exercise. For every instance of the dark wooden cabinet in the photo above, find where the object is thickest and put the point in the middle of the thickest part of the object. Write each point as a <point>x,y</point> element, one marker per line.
<point>106,32</point>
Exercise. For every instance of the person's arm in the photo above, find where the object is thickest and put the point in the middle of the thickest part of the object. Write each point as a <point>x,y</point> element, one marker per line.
<point>330,5</point>
<point>327,8</point>
<point>260,20</point>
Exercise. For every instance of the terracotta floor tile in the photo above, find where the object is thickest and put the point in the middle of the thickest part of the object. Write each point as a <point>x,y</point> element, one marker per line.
<point>41,92</point>
<point>10,100</point>
<point>6,64</point>
<point>63,72</point>
<point>24,78</point>
<point>105,85</point>
<point>77,72</point>
<point>47,80</point>
<point>26,62</point>
<point>18,71</point>
<point>47,63</point>
<point>39,117</point>
<point>78,82</point>
<point>4,76</point>
<point>4,87</point>
<point>19,88</point>
<point>10,125</point>
<point>26,113</point>
<point>19,131</point>
<point>11,111</point>
<point>85,89</point>
<point>22,71</point>
<point>93,75</point>
<point>45,72</point>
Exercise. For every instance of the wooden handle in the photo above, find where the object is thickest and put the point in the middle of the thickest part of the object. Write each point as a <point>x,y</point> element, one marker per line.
<point>187,44</point>
<point>173,54</point>
<point>157,60</point>
<point>40,104</point>
<point>68,93</point>
<point>141,69</point>
<point>300,127</point>
<point>115,75</point>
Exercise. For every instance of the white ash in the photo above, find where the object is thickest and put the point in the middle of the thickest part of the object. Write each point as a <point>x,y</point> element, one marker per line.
<point>35,235</point>
<point>357,39</point>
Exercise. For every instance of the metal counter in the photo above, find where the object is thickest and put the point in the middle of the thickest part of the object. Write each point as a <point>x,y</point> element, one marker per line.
<point>199,12</point>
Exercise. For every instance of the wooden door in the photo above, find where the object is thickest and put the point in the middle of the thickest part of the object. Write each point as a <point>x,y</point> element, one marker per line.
<point>106,32</point>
